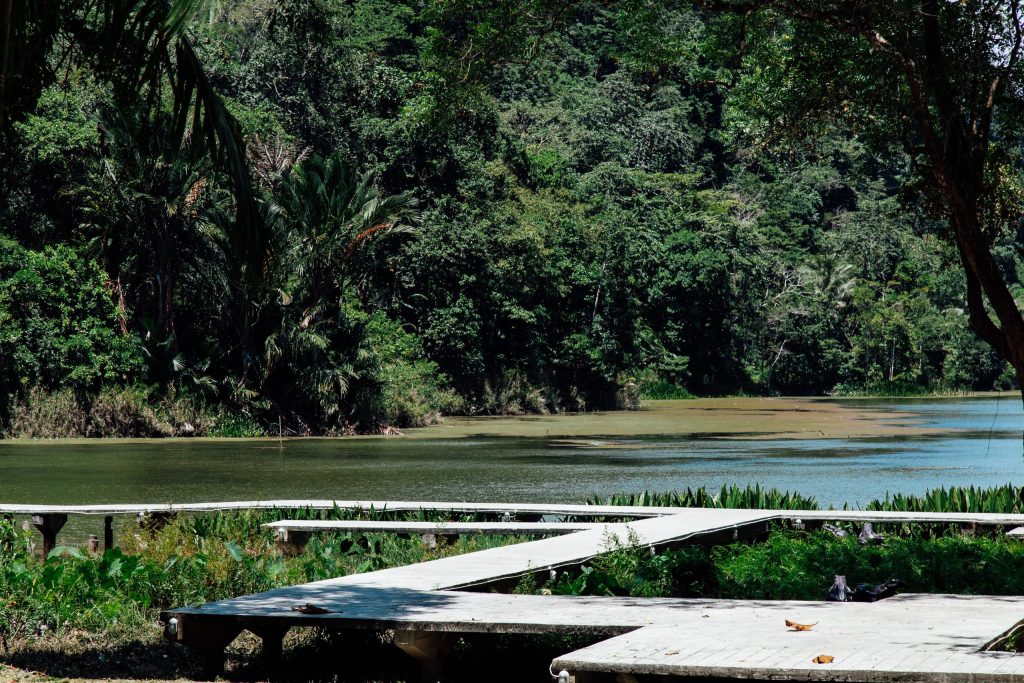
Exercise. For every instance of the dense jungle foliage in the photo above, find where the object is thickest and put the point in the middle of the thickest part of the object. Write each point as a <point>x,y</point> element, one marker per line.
<point>599,223</point>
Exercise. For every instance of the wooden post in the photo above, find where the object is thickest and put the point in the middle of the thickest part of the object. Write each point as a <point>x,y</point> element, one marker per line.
<point>93,544</point>
<point>207,639</point>
<point>108,532</point>
<point>49,524</point>
<point>292,542</point>
<point>429,540</point>
<point>429,648</point>
<point>592,677</point>
<point>272,636</point>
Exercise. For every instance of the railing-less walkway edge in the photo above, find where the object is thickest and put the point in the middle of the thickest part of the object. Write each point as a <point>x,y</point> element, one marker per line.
<point>50,519</point>
<point>919,638</point>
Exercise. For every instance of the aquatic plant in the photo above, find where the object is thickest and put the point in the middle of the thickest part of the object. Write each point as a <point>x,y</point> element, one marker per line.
<point>750,497</point>
<point>1006,499</point>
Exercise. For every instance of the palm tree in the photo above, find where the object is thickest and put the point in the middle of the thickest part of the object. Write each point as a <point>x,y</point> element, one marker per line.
<point>332,210</point>
<point>302,344</point>
<point>142,49</point>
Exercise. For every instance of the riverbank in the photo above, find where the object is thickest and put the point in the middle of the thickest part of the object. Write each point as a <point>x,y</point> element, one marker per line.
<point>777,418</point>
<point>733,417</point>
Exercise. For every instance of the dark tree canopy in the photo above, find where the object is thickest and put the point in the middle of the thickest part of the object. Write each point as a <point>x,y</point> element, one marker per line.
<point>494,207</point>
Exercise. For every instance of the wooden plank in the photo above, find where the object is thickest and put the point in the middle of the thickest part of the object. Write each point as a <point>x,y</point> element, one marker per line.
<point>909,637</point>
<point>982,518</point>
<point>554,554</point>
<point>437,528</point>
<point>512,509</point>
<point>920,638</point>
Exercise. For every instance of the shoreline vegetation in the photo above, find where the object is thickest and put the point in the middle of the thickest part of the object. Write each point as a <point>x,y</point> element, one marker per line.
<point>74,615</point>
<point>738,416</point>
<point>602,227</point>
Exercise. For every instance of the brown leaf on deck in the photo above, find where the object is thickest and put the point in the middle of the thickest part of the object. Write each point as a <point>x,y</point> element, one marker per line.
<point>800,627</point>
<point>823,659</point>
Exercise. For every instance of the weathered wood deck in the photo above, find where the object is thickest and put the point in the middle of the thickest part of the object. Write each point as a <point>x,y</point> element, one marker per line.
<point>906,638</point>
<point>293,535</point>
<point>909,638</point>
<point>919,638</point>
<point>436,528</point>
<point>50,519</point>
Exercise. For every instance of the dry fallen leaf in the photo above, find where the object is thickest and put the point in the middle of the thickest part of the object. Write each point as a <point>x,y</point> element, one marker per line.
<point>310,609</point>
<point>823,659</point>
<point>800,627</point>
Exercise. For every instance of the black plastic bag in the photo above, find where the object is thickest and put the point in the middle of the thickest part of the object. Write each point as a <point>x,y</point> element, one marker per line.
<point>865,592</point>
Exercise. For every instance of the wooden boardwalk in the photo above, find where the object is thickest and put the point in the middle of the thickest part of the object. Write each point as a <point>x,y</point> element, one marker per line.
<point>436,528</point>
<point>909,638</point>
<point>50,519</point>
<point>905,638</point>
<point>294,535</point>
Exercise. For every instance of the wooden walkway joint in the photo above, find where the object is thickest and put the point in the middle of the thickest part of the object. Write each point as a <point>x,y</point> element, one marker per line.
<point>932,639</point>
<point>908,638</point>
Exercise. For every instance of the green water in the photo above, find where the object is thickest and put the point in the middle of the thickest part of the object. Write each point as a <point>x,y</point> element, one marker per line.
<point>985,449</point>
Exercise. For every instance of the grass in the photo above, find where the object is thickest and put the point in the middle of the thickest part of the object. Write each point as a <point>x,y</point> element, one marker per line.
<point>798,566</point>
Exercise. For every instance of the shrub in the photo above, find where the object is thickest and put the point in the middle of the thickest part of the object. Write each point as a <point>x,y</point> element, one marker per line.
<point>125,413</point>
<point>801,567</point>
<point>42,415</point>
<point>58,325</point>
<point>405,388</point>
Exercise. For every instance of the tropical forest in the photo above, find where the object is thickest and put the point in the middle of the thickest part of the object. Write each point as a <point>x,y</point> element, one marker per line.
<point>340,216</point>
<point>511,341</point>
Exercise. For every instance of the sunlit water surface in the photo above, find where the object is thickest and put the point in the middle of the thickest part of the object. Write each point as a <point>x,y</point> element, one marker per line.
<point>986,450</point>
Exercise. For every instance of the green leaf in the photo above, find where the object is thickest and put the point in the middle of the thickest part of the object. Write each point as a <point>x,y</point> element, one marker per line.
<point>234,550</point>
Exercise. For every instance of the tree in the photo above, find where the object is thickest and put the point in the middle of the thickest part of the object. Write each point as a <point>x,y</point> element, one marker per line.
<point>142,48</point>
<point>943,78</point>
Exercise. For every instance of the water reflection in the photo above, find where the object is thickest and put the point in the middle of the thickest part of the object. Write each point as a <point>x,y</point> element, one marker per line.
<point>986,450</point>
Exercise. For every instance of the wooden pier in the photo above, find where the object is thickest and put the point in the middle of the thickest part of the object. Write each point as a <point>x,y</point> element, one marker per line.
<point>50,519</point>
<point>908,638</point>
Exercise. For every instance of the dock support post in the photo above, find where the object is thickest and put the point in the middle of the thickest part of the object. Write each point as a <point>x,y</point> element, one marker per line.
<point>272,636</point>
<point>207,639</point>
<point>291,542</point>
<point>429,540</point>
<point>49,525</point>
<point>429,648</point>
<point>93,544</point>
<point>108,532</point>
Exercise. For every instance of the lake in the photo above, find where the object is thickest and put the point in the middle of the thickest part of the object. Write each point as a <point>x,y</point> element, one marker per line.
<point>837,450</point>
